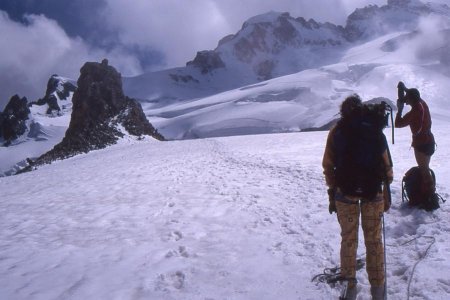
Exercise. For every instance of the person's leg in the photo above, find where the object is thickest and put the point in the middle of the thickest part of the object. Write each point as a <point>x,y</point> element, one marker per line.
<point>423,161</point>
<point>348,216</point>
<point>371,219</point>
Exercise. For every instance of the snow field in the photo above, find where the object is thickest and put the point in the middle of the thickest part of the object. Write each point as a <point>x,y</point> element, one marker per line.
<point>225,218</point>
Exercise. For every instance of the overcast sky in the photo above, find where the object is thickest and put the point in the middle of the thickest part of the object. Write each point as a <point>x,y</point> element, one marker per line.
<point>44,37</point>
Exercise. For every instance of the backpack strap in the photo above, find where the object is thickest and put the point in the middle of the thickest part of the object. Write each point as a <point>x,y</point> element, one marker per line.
<point>441,198</point>
<point>434,176</point>
<point>404,194</point>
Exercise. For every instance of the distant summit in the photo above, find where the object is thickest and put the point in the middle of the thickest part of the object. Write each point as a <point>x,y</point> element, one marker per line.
<point>228,91</point>
<point>13,119</point>
<point>58,89</point>
<point>275,44</point>
<point>18,120</point>
<point>398,15</point>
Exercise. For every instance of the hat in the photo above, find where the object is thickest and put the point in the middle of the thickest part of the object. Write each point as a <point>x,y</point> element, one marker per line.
<point>413,94</point>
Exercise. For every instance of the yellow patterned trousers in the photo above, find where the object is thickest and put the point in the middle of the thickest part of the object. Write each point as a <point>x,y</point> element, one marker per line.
<point>348,212</point>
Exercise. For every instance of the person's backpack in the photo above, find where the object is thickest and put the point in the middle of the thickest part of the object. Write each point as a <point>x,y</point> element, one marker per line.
<point>359,146</point>
<point>414,194</point>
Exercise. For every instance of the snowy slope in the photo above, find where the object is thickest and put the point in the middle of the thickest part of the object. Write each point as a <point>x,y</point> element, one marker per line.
<point>310,98</point>
<point>223,218</point>
<point>276,44</point>
<point>185,103</point>
<point>269,45</point>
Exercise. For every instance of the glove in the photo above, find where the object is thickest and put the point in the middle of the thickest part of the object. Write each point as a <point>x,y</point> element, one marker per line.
<point>332,207</point>
<point>386,197</point>
<point>401,85</point>
<point>400,106</point>
<point>332,204</point>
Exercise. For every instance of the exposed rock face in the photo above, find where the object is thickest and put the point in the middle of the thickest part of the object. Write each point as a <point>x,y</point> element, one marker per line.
<point>207,61</point>
<point>276,32</point>
<point>268,41</point>
<point>57,88</point>
<point>268,45</point>
<point>13,119</point>
<point>247,47</point>
<point>264,70</point>
<point>183,78</point>
<point>100,110</point>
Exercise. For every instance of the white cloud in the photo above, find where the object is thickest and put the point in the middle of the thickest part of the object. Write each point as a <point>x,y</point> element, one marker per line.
<point>180,28</point>
<point>431,40</point>
<point>176,28</point>
<point>30,54</point>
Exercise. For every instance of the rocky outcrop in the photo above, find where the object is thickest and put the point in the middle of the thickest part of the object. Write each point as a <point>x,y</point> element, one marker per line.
<point>57,89</point>
<point>248,46</point>
<point>207,61</point>
<point>264,69</point>
<point>13,119</point>
<point>101,114</point>
<point>183,78</point>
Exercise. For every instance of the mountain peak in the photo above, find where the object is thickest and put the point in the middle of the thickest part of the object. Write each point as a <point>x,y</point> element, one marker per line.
<point>13,119</point>
<point>398,15</point>
<point>270,45</point>
<point>100,113</point>
<point>269,17</point>
<point>404,3</point>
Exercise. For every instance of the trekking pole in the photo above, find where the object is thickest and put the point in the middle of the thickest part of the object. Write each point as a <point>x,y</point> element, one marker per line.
<point>385,263</point>
<point>389,109</point>
<point>392,125</point>
<point>388,190</point>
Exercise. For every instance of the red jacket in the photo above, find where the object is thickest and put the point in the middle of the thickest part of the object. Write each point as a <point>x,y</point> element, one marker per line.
<point>419,120</point>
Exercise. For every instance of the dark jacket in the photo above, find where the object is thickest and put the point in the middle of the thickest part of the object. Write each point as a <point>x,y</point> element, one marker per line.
<point>329,161</point>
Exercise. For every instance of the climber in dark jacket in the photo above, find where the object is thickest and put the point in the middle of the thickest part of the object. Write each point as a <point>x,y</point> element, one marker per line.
<point>350,207</point>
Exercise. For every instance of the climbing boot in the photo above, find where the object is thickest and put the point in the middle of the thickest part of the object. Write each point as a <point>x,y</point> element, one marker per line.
<point>349,292</point>
<point>377,292</point>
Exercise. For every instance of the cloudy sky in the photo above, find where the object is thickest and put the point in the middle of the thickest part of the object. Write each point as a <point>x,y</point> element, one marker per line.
<point>44,37</point>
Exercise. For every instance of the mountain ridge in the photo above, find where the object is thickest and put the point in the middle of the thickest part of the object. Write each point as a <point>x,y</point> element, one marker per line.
<point>209,98</point>
<point>276,44</point>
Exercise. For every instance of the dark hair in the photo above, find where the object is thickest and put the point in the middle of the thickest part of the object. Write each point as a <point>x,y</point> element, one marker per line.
<point>413,95</point>
<point>351,105</point>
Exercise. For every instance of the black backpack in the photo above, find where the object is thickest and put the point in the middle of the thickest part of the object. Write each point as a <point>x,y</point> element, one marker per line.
<point>413,193</point>
<point>359,145</point>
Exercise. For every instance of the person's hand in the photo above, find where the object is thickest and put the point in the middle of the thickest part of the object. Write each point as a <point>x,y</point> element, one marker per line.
<point>401,85</point>
<point>332,207</point>
<point>389,180</point>
<point>386,198</point>
<point>400,106</point>
<point>332,204</point>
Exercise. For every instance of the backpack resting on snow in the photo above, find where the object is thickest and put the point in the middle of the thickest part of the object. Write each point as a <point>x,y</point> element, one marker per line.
<point>415,195</point>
